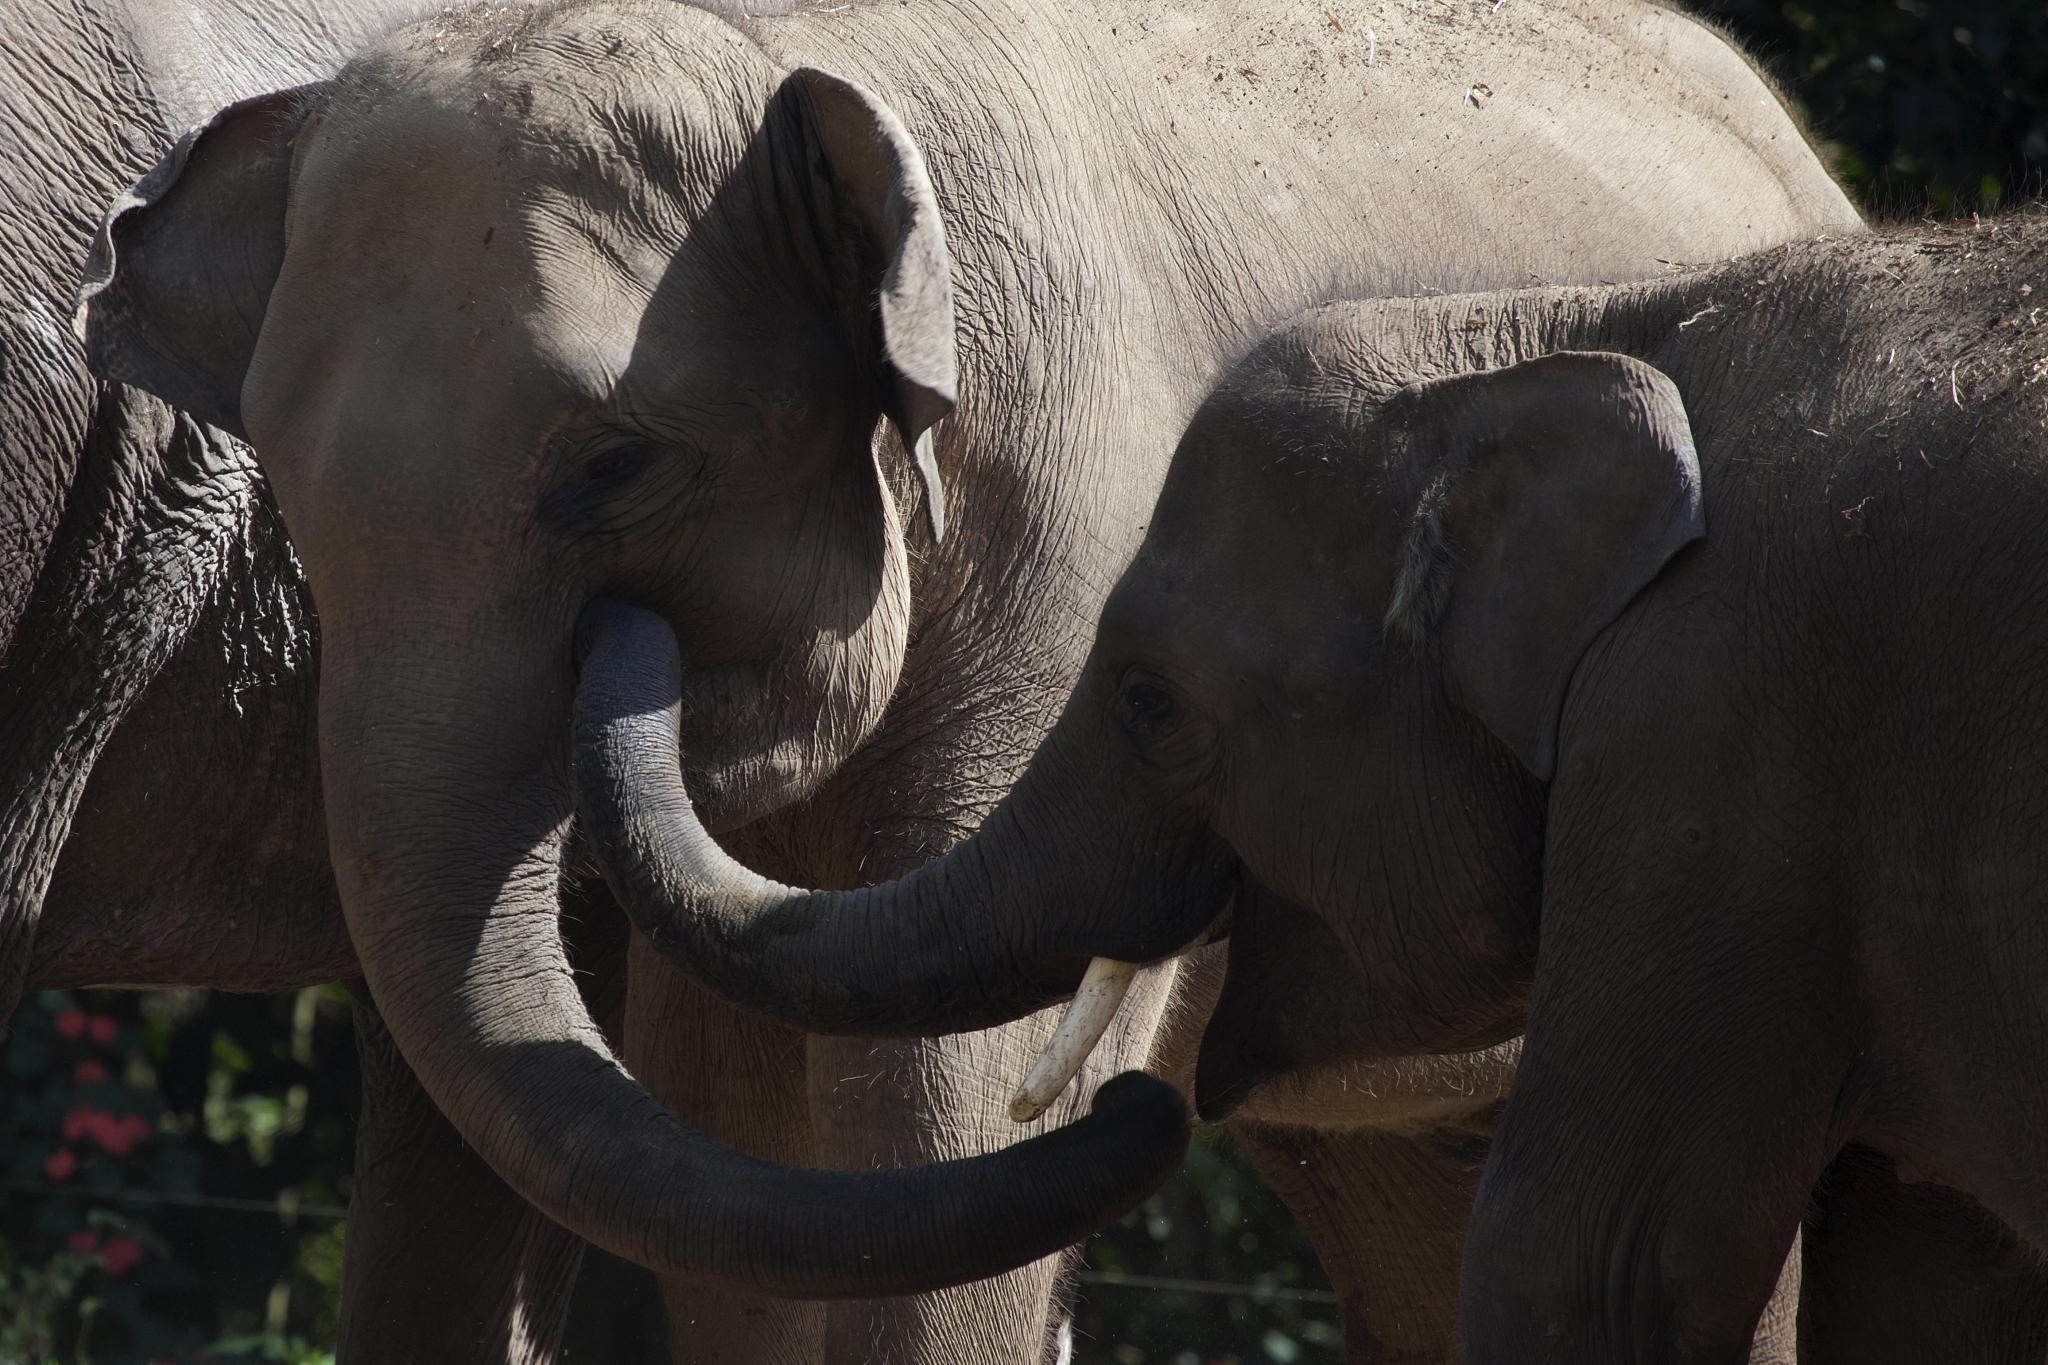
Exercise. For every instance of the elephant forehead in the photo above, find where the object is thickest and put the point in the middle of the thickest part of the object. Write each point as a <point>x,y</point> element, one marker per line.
<point>634,113</point>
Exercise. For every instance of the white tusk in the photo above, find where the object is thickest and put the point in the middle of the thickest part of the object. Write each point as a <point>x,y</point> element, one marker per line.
<point>1086,1020</point>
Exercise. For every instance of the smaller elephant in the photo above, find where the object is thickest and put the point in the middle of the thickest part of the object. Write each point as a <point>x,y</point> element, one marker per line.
<point>1699,625</point>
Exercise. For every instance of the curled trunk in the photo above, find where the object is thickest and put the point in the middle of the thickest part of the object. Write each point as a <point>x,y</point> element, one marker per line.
<point>447,800</point>
<point>1000,927</point>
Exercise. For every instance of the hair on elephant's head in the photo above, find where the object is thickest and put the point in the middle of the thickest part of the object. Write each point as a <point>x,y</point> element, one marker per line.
<point>1328,691</point>
<point>521,309</point>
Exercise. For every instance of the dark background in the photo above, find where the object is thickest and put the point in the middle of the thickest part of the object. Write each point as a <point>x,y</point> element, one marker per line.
<point>208,1227</point>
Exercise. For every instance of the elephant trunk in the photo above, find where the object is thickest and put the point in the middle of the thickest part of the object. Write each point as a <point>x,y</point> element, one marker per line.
<point>1000,927</point>
<point>448,798</point>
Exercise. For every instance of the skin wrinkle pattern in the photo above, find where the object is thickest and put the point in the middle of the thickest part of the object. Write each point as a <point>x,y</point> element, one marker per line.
<point>1100,270</point>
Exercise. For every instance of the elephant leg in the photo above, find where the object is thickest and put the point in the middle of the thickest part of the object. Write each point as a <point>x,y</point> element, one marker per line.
<point>899,1104</point>
<point>955,1089</point>
<point>444,1262</point>
<point>445,1265</point>
<point>1656,1151</point>
<point>1386,1214</point>
<point>739,1078</point>
<point>1899,1272</point>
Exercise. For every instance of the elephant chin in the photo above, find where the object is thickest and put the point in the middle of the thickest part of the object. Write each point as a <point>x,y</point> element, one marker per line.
<point>1230,1065</point>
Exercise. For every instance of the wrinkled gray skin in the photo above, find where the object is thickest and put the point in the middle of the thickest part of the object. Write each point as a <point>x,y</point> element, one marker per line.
<point>163,821</point>
<point>1697,624</point>
<point>586,304</point>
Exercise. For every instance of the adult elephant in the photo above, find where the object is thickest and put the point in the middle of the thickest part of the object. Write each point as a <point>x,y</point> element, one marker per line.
<point>163,821</point>
<point>1425,652</point>
<point>524,308</point>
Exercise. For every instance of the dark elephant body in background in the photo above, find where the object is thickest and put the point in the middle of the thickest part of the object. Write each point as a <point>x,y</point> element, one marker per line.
<point>1696,624</point>
<point>685,265</point>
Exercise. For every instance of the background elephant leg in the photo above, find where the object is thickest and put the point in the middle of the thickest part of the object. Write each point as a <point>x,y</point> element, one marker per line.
<point>1386,1214</point>
<point>1899,1272</point>
<point>901,1104</point>
<point>739,1078</point>
<point>445,1264</point>
<point>905,1103</point>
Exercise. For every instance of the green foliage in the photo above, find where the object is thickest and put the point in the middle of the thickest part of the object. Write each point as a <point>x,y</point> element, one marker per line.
<point>1923,104</point>
<point>1228,1279</point>
<point>170,1178</point>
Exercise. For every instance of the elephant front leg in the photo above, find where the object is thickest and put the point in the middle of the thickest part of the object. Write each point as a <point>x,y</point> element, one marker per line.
<point>446,1265</point>
<point>1899,1274</point>
<point>1691,1066</point>
<point>1654,1157</point>
<point>894,1103</point>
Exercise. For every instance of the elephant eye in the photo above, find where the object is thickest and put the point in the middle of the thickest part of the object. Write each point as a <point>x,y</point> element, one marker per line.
<point>614,466</point>
<point>1149,710</point>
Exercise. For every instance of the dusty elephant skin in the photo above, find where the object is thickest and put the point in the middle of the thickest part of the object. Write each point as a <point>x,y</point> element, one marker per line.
<point>1697,623</point>
<point>681,267</point>
<point>163,821</point>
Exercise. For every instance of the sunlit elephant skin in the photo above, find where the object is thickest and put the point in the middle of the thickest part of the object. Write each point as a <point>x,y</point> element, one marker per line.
<point>162,824</point>
<point>1695,624</point>
<point>163,821</point>
<point>684,267</point>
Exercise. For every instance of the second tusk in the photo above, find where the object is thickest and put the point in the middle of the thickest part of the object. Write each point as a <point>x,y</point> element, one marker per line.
<point>1086,1019</point>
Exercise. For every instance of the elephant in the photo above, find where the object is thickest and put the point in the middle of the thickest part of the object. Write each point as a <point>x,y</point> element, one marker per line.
<point>164,823</point>
<point>854,340</point>
<point>1647,668</point>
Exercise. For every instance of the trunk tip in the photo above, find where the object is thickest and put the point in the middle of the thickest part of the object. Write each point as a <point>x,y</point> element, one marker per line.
<point>1154,1110</point>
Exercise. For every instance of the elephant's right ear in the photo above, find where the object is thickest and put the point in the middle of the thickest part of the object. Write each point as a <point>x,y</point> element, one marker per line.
<point>181,268</point>
<point>878,179</point>
<point>1553,491</point>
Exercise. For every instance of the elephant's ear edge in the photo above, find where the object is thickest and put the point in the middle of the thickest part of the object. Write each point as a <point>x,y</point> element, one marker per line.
<point>1555,490</point>
<point>880,172</point>
<point>180,268</point>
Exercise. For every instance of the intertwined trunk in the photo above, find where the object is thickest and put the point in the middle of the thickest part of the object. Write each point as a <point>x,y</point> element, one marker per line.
<point>1000,927</point>
<point>445,755</point>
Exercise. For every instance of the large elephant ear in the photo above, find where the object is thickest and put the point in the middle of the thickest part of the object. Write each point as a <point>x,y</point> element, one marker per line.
<point>1553,491</point>
<point>878,180</point>
<point>181,268</point>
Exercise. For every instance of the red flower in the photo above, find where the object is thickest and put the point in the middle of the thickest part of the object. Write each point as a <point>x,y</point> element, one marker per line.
<point>119,1135</point>
<point>59,1164</point>
<point>85,1239</point>
<point>89,1072</point>
<point>71,1022</point>
<point>81,1121</point>
<point>119,1255</point>
<point>104,1030</point>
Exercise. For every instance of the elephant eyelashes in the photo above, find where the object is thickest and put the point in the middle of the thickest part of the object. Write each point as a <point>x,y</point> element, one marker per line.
<point>609,469</point>
<point>1149,710</point>
<point>583,503</point>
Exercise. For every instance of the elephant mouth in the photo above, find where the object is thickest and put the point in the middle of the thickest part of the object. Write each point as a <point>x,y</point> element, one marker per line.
<point>1088,1016</point>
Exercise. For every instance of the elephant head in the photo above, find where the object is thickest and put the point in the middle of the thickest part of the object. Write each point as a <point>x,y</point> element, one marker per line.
<point>521,309</point>
<point>1326,694</point>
